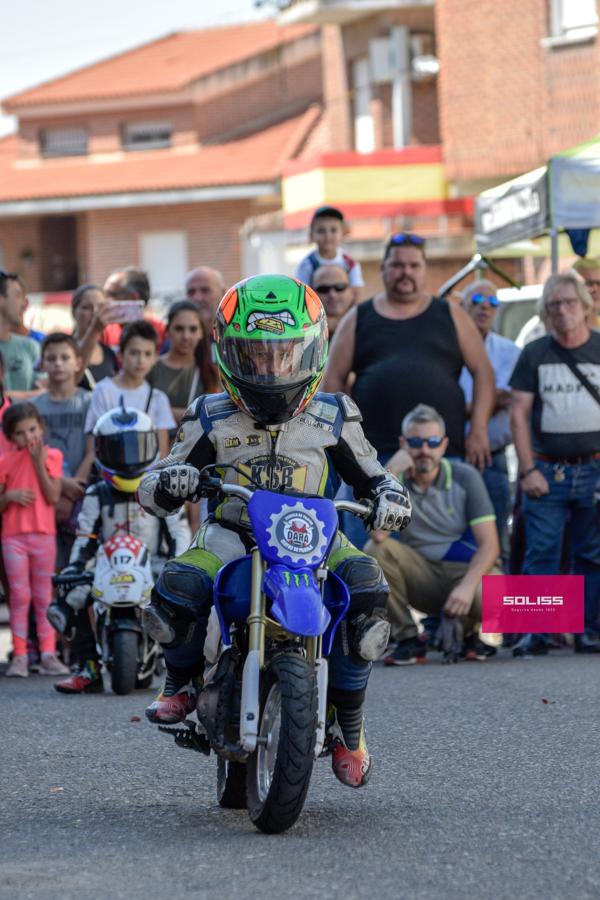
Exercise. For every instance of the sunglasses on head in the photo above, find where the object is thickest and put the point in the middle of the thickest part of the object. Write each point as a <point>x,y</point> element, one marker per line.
<point>417,442</point>
<point>397,240</point>
<point>327,288</point>
<point>478,299</point>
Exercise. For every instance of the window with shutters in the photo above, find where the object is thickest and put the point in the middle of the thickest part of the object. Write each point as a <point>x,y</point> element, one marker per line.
<point>147,135</point>
<point>72,141</point>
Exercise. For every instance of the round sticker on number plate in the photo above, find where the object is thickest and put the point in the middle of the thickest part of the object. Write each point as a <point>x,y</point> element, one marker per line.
<point>297,532</point>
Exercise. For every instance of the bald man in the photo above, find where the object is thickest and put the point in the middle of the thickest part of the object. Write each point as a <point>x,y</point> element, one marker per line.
<point>333,287</point>
<point>205,287</point>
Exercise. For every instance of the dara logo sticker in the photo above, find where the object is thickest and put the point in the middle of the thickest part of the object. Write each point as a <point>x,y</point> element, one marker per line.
<point>297,532</point>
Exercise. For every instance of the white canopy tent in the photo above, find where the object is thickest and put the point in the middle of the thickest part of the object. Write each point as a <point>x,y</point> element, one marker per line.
<point>563,194</point>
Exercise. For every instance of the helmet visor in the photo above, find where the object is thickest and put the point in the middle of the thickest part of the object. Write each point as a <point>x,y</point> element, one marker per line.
<point>128,452</point>
<point>266,361</point>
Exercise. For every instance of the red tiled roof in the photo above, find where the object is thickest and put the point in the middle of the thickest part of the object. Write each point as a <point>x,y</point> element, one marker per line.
<point>256,158</point>
<point>167,64</point>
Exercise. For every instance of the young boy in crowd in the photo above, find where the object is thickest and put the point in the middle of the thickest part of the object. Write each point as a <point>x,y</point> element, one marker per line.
<point>139,351</point>
<point>63,407</point>
<point>20,353</point>
<point>327,229</point>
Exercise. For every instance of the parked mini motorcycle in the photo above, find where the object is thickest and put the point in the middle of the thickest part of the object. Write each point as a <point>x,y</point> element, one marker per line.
<point>263,706</point>
<point>121,582</point>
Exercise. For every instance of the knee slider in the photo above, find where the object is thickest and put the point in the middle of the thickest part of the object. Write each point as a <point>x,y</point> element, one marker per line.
<point>181,598</point>
<point>368,631</point>
<point>366,582</point>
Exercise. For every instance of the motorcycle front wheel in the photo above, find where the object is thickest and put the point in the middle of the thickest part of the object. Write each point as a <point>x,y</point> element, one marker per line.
<point>278,772</point>
<point>124,661</point>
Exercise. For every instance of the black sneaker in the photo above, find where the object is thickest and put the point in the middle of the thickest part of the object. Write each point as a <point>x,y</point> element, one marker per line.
<point>585,643</point>
<point>407,653</point>
<point>531,645</point>
<point>475,649</point>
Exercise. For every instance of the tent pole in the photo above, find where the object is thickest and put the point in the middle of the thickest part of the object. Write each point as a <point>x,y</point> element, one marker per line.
<point>554,249</point>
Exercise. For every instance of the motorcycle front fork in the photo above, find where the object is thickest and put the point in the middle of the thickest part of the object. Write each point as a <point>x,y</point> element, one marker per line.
<point>255,660</point>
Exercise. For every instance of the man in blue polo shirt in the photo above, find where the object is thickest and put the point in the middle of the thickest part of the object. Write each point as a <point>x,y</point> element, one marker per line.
<point>481,303</point>
<point>437,563</point>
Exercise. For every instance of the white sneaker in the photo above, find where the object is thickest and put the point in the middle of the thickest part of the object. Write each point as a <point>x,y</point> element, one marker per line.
<point>51,665</point>
<point>18,667</point>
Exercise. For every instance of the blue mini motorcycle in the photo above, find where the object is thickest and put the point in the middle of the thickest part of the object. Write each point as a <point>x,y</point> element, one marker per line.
<point>263,706</point>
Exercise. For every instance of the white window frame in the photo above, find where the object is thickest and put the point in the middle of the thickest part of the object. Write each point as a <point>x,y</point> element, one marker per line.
<point>364,127</point>
<point>62,141</point>
<point>131,128</point>
<point>573,20</point>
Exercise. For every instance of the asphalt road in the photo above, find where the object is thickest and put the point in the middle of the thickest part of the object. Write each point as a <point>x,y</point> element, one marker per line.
<point>480,789</point>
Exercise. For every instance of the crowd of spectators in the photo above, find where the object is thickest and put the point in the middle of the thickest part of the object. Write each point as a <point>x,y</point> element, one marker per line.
<point>443,396</point>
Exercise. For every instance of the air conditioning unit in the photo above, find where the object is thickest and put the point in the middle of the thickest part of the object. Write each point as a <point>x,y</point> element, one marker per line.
<point>423,61</point>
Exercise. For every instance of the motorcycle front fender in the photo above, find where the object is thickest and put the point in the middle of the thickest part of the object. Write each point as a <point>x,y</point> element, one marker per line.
<point>123,623</point>
<point>296,601</point>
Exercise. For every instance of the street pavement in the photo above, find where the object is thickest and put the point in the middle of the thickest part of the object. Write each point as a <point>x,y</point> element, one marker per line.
<point>480,789</point>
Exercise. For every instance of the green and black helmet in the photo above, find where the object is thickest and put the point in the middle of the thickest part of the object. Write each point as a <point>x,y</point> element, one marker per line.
<point>271,346</point>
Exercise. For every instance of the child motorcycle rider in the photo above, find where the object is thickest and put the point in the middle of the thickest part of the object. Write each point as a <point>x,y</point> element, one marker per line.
<point>273,426</point>
<point>126,444</point>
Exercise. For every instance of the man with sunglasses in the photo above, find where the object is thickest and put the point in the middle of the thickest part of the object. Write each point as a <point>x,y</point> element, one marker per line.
<point>407,347</point>
<point>335,293</point>
<point>437,564</point>
<point>556,426</point>
<point>481,303</point>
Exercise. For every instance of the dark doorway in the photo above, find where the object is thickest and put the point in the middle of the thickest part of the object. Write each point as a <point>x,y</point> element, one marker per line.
<point>58,242</point>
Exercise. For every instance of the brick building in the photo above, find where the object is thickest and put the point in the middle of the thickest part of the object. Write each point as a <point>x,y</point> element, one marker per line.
<point>517,82</point>
<point>157,156</point>
<point>215,146</point>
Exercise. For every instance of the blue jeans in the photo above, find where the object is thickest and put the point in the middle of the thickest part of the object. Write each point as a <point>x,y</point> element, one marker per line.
<point>498,487</point>
<point>570,505</point>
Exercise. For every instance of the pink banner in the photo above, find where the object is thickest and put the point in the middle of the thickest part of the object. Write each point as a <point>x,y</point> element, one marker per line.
<point>532,603</point>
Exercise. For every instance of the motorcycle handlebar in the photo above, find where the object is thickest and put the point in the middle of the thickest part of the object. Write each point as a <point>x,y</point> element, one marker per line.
<point>72,580</point>
<point>361,510</point>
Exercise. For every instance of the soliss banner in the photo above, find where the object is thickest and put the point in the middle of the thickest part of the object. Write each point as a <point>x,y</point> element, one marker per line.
<point>524,604</point>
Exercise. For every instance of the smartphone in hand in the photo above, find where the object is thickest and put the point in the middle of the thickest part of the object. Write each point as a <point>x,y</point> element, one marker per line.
<point>125,311</point>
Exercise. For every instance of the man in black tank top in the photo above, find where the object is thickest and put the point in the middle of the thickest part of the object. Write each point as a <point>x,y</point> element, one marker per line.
<point>406,347</point>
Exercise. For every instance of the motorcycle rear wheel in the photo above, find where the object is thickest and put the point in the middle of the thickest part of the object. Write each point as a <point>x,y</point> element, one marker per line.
<point>124,661</point>
<point>279,770</point>
<point>231,784</point>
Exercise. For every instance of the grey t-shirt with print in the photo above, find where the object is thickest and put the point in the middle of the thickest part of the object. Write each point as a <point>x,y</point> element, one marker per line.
<point>64,424</point>
<point>444,513</point>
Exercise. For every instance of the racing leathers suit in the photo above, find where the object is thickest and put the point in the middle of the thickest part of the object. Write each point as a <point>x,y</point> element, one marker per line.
<point>309,453</point>
<point>105,511</point>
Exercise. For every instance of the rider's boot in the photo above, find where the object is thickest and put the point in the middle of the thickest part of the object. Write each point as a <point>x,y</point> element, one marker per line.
<point>86,679</point>
<point>175,700</point>
<point>351,762</point>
